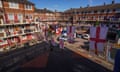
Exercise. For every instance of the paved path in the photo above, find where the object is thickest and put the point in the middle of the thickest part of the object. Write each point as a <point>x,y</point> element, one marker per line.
<point>62,61</point>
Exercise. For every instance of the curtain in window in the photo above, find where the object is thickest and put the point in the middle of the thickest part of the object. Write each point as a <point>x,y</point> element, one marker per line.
<point>15,18</point>
<point>6,18</point>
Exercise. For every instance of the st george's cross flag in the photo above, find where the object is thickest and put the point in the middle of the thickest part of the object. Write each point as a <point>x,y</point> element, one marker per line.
<point>70,33</point>
<point>97,38</point>
<point>46,34</point>
<point>53,42</point>
<point>61,43</point>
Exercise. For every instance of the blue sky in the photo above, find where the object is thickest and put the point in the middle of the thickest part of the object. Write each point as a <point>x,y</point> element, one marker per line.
<point>62,5</point>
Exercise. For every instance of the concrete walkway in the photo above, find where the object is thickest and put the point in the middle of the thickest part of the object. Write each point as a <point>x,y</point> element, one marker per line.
<point>59,60</point>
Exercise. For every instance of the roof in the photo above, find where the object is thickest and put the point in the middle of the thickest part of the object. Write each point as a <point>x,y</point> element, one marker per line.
<point>43,11</point>
<point>96,8</point>
<point>20,1</point>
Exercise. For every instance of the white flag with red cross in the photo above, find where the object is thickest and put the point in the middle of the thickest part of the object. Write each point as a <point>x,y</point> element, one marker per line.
<point>46,34</point>
<point>97,38</point>
<point>61,44</point>
<point>70,32</point>
<point>53,41</point>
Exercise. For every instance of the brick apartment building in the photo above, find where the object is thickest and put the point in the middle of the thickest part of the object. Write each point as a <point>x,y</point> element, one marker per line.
<point>103,13</point>
<point>16,11</point>
<point>47,16</point>
<point>1,13</point>
<point>14,29</point>
<point>44,14</point>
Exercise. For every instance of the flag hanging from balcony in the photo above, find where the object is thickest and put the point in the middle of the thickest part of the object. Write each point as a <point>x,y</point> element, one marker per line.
<point>97,38</point>
<point>15,18</point>
<point>53,42</point>
<point>61,43</point>
<point>70,33</point>
<point>46,34</point>
<point>6,18</point>
<point>9,42</point>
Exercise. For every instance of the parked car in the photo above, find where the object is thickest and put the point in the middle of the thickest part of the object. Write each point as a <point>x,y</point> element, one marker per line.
<point>86,36</point>
<point>64,33</point>
<point>79,36</point>
<point>62,37</point>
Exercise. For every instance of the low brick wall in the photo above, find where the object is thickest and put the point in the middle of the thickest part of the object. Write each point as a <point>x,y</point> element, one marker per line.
<point>12,60</point>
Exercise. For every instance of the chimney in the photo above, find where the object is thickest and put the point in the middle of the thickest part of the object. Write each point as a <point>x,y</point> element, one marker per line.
<point>71,8</point>
<point>88,5</point>
<point>55,10</point>
<point>104,3</point>
<point>80,6</point>
<point>45,8</point>
<point>113,1</point>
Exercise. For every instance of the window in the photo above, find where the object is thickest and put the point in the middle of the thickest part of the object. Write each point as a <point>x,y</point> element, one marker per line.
<point>98,12</point>
<point>95,11</point>
<point>0,3</point>
<point>117,10</point>
<point>28,7</point>
<point>110,11</point>
<point>24,37</point>
<point>11,16</point>
<point>106,11</point>
<point>47,14</point>
<point>1,30</point>
<point>13,5</point>
<point>29,16</point>
<point>102,11</point>
<point>92,12</point>
<point>20,16</point>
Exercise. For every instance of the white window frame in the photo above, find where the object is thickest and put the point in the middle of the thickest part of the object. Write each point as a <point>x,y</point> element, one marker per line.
<point>0,3</point>
<point>11,16</point>
<point>28,7</point>
<point>20,16</point>
<point>13,5</point>
<point>24,37</point>
<point>30,16</point>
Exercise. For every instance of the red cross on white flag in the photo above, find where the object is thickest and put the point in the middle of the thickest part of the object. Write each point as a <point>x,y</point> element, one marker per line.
<point>98,38</point>
<point>61,44</point>
<point>70,32</point>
